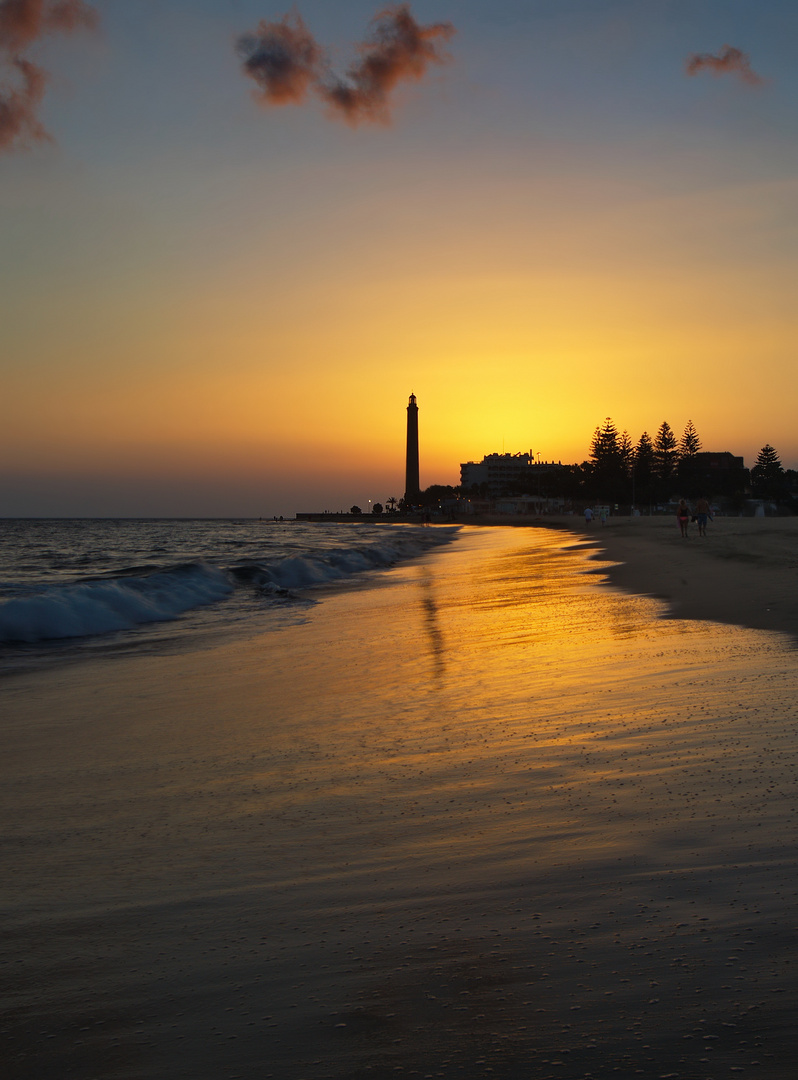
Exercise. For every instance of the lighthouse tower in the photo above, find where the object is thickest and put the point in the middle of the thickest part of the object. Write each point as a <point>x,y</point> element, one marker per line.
<point>412,488</point>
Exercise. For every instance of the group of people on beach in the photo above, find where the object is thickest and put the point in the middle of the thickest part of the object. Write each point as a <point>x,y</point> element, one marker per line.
<point>701,515</point>
<point>684,515</point>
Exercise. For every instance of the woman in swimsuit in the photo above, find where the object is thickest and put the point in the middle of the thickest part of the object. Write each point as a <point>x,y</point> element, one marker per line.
<point>683,516</point>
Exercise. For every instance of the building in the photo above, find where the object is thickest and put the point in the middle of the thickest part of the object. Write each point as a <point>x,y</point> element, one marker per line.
<point>716,473</point>
<point>505,474</point>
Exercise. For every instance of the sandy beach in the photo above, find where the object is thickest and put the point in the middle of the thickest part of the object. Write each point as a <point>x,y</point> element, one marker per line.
<point>745,571</point>
<point>484,816</point>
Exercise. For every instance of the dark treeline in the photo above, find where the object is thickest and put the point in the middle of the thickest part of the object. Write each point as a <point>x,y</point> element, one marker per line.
<point>663,468</point>
<point>649,473</point>
<point>655,470</point>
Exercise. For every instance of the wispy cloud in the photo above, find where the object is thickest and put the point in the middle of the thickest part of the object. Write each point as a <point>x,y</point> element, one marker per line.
<point>22,24</point>
<point>729,61</point>
<point>286,62</point>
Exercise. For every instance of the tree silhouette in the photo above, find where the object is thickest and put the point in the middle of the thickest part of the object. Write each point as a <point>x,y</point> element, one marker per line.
<point>767,476</point>
<point>666,456</point>
<point>690,443</point>
<point>689,446</point>
<point>644,468</point>
<point>626,451</point>
<point>608,467</point>
<point>432,495</point>
<point>604,445</point>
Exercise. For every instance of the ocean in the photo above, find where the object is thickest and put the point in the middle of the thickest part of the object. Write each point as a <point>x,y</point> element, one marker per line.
<point>68,586</point>
<point>393,802</point>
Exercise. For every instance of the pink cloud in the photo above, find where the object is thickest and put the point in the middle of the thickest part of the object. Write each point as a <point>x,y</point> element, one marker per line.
<point>286,62</point>
<point>729,61</point>
<point>398,49</point>
<point>19,122</point>
<point>22,24</point>
<point>282,58</point>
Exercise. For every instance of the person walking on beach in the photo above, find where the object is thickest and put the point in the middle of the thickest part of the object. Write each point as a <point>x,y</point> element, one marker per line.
<point>683,516</point>
<point>702,513</point>
<point>588,516</point>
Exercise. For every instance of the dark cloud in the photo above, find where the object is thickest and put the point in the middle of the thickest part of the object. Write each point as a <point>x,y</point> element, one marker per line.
<point>286,62</point>
<point>282,58</point>
<point>22,24</point>
<point>398,49</point>
<point>19,123</point>
<point>729,61</point>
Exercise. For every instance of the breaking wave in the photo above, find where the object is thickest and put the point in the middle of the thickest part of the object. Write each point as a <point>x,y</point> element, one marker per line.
<point>85,608</point>
<point>101,606</point>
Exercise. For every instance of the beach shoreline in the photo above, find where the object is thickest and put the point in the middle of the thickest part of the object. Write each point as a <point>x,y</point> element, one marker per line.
<point>744,572</point>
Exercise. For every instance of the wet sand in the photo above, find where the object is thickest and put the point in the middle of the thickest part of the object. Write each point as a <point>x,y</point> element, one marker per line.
<point>745,571</point>
<point>485,819</point>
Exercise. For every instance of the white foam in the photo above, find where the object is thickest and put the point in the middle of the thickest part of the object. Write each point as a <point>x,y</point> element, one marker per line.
<point>86,608</point>
<point>100,607</point>
<point>304,571</point>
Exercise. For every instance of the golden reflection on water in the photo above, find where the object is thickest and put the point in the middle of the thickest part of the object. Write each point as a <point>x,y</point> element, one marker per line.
<point>437,645</point>
<point>532,606</point>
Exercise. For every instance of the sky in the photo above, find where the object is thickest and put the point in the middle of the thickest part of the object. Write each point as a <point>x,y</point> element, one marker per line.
<point>218,289</point>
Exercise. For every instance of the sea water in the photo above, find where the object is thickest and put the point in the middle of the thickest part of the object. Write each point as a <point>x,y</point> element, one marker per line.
<point>71,585</point>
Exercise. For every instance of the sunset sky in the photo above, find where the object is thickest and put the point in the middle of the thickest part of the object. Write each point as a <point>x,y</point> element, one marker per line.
<point>213,305</point>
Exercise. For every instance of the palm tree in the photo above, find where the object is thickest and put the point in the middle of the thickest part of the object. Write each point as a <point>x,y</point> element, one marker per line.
<point>392,504</point>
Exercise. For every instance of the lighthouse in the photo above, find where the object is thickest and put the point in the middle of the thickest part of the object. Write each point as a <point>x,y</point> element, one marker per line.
<point>412,488</point>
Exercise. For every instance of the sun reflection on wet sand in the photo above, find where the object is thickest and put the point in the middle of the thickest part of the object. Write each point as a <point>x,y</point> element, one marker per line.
<point>494,819</point>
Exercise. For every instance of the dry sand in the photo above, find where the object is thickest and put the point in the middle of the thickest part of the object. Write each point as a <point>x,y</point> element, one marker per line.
<point>486,818</point>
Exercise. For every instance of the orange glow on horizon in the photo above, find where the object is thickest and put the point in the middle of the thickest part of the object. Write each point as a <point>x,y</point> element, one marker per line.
<point>517,330</point>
